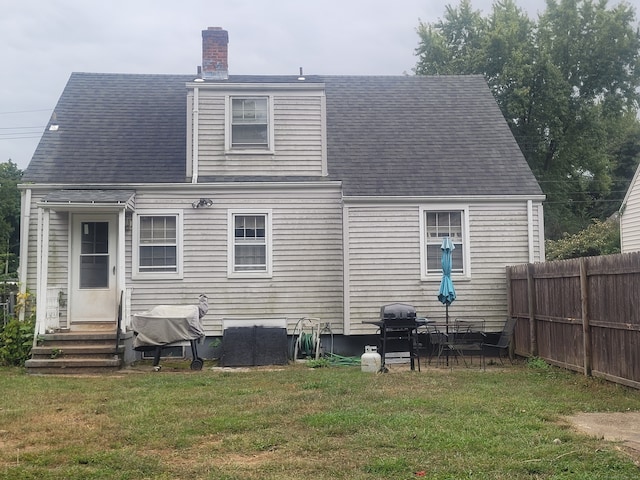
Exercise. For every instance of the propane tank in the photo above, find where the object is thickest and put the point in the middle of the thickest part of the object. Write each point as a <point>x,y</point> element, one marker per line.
<point>370,360</point>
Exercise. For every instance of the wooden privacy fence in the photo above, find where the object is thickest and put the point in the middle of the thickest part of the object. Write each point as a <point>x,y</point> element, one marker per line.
<point>582,314</point>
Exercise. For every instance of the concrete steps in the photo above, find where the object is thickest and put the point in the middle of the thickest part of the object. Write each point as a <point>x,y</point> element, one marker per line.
<point>77,352</point>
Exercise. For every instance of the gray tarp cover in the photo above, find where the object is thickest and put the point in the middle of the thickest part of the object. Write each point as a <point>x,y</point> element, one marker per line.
<point>166,324</point>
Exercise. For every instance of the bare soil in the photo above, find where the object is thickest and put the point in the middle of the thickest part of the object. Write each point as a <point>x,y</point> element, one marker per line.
<point>620,427</point>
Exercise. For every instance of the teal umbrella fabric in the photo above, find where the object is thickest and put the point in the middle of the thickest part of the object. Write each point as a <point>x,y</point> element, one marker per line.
<point>447,292</point>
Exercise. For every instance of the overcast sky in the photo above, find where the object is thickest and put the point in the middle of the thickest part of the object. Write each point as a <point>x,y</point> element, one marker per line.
<point>43,42</point>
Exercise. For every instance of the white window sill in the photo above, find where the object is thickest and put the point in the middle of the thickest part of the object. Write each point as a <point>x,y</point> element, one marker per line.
<point>249,151</point>
<point>266,275</point>
<point>156,276</point>
<point>438,278</point>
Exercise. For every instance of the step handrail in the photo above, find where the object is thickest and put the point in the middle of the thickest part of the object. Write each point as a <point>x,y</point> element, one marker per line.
<point>119,322</point>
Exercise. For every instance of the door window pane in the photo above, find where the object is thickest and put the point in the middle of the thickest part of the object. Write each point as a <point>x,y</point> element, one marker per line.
<point>94,256</point>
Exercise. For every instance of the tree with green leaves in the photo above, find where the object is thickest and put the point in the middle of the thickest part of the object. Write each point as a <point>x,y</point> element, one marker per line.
<point>599,238</point>
<point>10,176</point>
<point>568,87</point>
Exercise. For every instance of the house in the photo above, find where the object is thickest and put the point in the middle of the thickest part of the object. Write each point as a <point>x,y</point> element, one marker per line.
<point>280,197</point>
<point>630,217</point>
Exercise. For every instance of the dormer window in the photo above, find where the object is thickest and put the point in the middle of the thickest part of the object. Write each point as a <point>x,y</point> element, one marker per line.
<point>250,123</point>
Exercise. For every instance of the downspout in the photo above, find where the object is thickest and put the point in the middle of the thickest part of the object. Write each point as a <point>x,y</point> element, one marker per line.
<point>532,253</point>
<point>195,159</point>
<point>543,253</point>
<point>346,272</point>
<point>24,244</point>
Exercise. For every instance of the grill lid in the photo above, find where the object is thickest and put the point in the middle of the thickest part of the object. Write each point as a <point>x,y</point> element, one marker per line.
<point>397,312</point>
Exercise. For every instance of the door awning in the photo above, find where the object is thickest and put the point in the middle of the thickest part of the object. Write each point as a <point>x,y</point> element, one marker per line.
<point>112,200</point>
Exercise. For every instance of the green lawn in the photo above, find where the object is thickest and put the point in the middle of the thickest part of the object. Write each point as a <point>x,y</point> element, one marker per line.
<point>299,423</point>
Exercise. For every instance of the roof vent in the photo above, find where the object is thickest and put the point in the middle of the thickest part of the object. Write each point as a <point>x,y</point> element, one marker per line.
<point>53,127</point>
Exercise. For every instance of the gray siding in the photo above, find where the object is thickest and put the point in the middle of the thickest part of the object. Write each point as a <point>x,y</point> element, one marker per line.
<point>385,267</point>
<point>307,257</point>
<point>630,219</point>
<point>298,138</point>
<point>58,252</point>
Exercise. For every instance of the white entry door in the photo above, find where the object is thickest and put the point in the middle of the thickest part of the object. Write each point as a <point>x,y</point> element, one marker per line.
<point>93,296</point>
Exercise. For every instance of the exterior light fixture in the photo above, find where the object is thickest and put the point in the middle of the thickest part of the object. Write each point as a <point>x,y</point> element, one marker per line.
<point>203,202</point>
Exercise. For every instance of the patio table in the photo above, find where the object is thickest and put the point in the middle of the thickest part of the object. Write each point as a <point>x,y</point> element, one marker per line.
<point>459,338</point>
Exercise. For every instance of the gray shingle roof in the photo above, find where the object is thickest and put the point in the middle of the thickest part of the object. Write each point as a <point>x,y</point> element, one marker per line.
<point>385,135</point>
<point>419,135</point>
<point>115,128</point>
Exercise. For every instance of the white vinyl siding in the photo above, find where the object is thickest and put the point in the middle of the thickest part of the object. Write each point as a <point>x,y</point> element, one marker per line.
<point>295,145</point>
<point>306,255</point>
<point>58,268</point>
<point>386,268</point>
<point>630,218</point>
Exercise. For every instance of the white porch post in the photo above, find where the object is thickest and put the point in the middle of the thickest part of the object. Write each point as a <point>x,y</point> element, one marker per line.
<point>120,259</point>
<point>25,224</point>
<point>42,269</point>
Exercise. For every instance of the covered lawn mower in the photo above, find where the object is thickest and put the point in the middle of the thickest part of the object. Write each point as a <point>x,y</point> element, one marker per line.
<point>170,326</point>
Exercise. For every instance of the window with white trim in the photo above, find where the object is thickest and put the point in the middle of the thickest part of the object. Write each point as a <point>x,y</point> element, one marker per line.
<point>158,244</point>
<point>250,123</point>
<point>438,224</point>
<point>250,241</point>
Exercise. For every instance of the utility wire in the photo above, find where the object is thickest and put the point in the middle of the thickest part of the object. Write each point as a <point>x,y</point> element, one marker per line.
<point>20,128</point>
<point>19,138</point>
<point>26,111</point>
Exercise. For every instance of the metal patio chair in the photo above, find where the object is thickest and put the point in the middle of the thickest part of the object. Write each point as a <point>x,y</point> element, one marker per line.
<point>504,342</point>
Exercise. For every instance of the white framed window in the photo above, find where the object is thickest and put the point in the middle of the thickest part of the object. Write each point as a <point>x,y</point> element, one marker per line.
<point>435,224</point>
<point>250,124</point>
<point>157,251</point>
<point>249,243</point>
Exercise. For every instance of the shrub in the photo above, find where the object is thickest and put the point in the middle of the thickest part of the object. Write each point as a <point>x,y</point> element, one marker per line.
<point>599,238</point>
<point>16,339</point>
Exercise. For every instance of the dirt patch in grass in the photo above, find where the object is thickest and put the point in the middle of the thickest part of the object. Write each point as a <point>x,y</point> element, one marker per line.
<point>622,427</point>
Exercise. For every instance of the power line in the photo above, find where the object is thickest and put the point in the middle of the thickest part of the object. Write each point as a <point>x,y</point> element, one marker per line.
<point>26,111</point>
<point>10,134</point>
<point>18,128</point>
<point>19,138</point>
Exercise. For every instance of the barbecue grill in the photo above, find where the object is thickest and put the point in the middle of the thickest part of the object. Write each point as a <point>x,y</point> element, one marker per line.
<point>170,325</point>
<point>398,315</point>
<point>397,329</point>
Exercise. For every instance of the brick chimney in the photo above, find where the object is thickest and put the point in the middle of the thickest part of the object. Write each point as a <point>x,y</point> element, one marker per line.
<point>214,54</point>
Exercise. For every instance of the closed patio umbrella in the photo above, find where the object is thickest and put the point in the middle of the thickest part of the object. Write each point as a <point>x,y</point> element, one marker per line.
<point>447,292</point>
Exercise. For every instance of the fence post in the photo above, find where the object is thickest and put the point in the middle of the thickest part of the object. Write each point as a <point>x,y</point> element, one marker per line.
<point>586,328</point>
<point>531,297</point>
<point>509,293</point>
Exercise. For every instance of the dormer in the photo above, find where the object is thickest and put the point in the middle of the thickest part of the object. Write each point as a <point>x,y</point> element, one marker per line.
<point>252,125</point>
